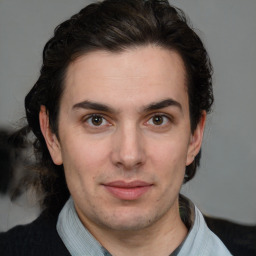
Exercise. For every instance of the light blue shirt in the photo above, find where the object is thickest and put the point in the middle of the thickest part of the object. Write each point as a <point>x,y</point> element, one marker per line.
<point>200,241</point>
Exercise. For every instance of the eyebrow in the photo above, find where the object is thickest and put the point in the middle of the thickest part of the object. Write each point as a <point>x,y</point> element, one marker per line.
<point>102,107</point>
<point>162,104</point>
<point>93,105</point>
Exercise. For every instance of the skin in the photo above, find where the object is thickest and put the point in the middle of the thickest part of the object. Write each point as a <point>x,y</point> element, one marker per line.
<point>127,136</point>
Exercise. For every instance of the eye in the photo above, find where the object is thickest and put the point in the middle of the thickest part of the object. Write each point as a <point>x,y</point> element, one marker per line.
<point>96,120</point>
<point>158,120</point>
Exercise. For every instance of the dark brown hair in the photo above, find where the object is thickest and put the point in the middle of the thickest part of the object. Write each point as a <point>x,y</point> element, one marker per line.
<point>112,25</point>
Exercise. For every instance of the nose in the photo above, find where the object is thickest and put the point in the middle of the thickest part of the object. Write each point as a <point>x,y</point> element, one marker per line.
<point>128,148</point>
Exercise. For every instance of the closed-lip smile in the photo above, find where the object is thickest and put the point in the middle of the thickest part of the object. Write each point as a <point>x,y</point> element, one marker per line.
<point>127,190</point>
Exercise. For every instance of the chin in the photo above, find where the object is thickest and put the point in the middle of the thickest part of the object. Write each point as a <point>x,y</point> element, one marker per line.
<point>130,221</point>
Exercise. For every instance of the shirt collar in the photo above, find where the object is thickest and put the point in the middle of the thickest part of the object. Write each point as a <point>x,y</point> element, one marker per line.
<point>74,234</point>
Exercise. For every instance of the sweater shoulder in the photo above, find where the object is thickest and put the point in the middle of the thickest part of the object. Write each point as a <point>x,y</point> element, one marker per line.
<point>37,238</point>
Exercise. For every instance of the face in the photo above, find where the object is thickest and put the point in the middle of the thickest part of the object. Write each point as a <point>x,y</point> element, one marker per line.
<point>124,136</point>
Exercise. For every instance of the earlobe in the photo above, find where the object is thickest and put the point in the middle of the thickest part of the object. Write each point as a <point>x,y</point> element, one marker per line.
<point>51,140</point>
<point>196,140</point>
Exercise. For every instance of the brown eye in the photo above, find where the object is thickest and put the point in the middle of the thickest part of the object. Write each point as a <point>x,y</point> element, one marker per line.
<point>96,120</point>
<point>157,120</point>
<point>96,123</point>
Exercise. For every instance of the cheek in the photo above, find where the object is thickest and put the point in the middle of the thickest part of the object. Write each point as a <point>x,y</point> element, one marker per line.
<point>169,160</point>
<point>83,161</point>
<point>170,152</point>
<point>83,150</point>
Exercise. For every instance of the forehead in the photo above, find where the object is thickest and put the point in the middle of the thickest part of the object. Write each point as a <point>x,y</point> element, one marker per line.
<point>138,76</point>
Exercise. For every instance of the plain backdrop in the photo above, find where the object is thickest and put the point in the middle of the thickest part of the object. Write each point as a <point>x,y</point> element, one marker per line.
<point>225,183</point>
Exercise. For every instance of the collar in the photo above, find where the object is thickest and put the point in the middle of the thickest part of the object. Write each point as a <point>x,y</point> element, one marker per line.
<point>74,234</point>
<point>200,240</point>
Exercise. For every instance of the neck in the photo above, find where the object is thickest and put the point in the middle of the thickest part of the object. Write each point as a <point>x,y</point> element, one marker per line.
<point>161,238</point>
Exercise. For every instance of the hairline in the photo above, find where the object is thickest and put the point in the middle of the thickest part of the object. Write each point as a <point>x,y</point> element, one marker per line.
<point>83,53</point>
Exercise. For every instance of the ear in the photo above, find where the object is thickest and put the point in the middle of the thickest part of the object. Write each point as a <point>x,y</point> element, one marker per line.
<point>51,140</point>
<point>196,140</point>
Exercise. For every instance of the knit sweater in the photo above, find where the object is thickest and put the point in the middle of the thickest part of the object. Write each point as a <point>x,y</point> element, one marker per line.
<point>39,238</point>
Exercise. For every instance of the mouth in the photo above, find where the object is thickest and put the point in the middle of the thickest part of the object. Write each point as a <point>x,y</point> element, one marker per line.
<point>128,190</point>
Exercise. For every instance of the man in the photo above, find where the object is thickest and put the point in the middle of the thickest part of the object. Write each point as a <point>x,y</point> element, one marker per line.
<point>118,113</point>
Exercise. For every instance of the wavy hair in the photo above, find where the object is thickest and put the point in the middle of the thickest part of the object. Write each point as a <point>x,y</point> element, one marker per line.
<point>114,26</point>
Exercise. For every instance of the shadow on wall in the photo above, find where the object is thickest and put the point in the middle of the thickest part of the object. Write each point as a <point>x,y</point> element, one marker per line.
<point>17,204</point>
<point>15,157</point>
<point>6,162</point>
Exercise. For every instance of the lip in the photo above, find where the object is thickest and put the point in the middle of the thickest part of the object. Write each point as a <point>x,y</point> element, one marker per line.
<point>127,190</point>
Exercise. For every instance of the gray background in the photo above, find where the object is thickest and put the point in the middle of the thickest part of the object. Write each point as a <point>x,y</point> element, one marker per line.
<point>225,183</point>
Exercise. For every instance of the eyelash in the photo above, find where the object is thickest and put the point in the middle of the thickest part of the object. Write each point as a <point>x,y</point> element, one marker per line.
<point>166,119</point>
<point>88,120</point>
